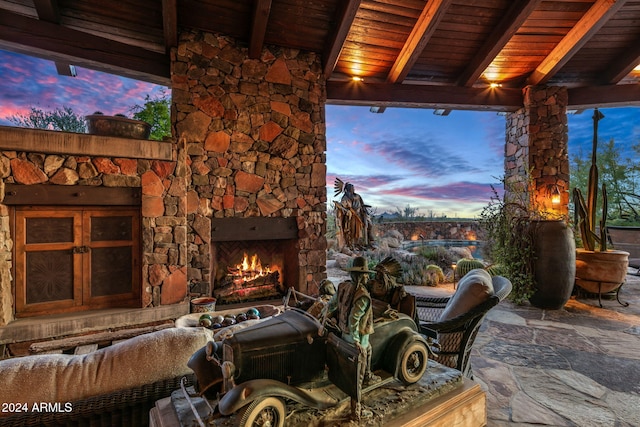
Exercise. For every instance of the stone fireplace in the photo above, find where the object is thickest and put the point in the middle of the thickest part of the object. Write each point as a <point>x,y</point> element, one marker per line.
<point>254,132</point>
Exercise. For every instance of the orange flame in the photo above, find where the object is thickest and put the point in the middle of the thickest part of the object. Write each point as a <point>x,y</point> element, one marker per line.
<point>250,269</point>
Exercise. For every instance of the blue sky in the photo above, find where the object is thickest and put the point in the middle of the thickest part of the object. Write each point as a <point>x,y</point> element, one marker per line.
<point>438,164</point>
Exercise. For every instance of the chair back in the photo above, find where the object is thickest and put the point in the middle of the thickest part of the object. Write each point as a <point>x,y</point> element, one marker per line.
<point>456,336</point>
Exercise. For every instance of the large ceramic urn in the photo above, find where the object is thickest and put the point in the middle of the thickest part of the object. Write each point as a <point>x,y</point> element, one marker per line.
<point>555,264</point>
<point>601,272</point>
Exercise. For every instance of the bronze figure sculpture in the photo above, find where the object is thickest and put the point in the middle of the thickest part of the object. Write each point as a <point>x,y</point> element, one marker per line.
<point>352,217</point>
<point>351,306</point>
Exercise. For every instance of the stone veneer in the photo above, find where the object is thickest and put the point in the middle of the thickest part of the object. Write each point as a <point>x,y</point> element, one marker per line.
<point>432,230</point>
<point>254,132</point>
<point>163,214</point>
<point>536,144</point>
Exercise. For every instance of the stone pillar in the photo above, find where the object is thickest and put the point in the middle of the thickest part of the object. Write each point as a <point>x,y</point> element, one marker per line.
<point>536,147</point>
<point>254,132</point>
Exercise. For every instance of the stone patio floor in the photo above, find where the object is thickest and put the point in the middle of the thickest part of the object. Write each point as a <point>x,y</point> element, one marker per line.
<point>577,366</point>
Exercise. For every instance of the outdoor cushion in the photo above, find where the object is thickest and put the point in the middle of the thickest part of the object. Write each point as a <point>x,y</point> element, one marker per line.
<point>142,360</point>
<point>474,288</point>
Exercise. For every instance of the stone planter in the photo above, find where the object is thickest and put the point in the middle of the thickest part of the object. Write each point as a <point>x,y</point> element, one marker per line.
<point>601,272</point>
<point>123,127</point>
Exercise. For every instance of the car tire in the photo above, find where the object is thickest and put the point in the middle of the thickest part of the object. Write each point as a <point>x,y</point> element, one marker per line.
<point>265,412</point>
<point>413,362</point>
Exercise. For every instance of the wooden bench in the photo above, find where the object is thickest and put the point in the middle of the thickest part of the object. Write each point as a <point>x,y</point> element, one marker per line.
<point>626,238</point>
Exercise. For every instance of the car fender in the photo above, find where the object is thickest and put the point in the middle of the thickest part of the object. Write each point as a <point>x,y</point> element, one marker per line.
<point>248,391</point>
<point>394,351</point>
<point>208,372</point>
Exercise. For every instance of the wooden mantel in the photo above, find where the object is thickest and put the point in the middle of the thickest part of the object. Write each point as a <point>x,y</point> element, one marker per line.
<point>55,142</point>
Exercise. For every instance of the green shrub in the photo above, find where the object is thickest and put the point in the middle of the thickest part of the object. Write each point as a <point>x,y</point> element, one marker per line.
<point>435,275</point>
<point>495,270</point>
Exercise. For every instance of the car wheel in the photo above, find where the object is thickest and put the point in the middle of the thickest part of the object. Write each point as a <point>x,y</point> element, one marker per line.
<point>266,412</point>
<point>413,363</point>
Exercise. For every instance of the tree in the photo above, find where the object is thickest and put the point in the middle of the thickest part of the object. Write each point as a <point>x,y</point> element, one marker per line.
<point>407,213</point>
<point>62,119</point>
<point>155,111</point>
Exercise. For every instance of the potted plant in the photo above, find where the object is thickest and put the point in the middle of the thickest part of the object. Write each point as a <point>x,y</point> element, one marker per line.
<point>118,125</point>
<point>532,247</point>
<point>598,269</point>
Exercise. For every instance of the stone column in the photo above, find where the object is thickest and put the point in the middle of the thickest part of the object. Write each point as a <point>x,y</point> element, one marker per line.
<point>254,135</point>
<point>536,147</point>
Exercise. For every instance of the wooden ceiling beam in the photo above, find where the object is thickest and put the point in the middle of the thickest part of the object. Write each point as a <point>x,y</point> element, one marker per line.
<point>48,10</point>
<point>170,24</point>
<point>418,39</point>
<point>579,34</point>
<point>584,98</point>
<point>421,33</point>
<point>423,96</point>
<point>497,40</point>
<point>346,16</point>
<point>261,12</point>
<point>623,65</point>
<point>34,37</point>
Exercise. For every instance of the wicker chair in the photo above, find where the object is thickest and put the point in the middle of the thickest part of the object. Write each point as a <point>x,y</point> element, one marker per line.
<point>452,339</point>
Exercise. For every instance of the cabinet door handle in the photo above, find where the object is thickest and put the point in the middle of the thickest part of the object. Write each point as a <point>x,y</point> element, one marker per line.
<point>80,249</point>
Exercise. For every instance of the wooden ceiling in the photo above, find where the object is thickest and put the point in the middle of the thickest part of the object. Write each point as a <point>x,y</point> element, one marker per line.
<point>441,54</point>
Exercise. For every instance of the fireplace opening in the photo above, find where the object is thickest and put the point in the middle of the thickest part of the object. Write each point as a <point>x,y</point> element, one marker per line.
<point>253,259</point>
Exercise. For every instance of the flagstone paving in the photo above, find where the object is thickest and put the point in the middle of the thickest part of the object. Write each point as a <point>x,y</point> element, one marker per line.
<point>577,366</point>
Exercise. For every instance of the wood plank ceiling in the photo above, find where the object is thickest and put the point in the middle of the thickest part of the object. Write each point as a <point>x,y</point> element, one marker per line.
<point>442,54</point>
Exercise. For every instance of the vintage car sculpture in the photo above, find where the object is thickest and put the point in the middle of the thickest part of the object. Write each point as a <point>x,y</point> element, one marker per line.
<point>287,358</point>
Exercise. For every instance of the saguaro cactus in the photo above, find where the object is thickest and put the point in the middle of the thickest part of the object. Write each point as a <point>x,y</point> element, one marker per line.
<point>586,212</point>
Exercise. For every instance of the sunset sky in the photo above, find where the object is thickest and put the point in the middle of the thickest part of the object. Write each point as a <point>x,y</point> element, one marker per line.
<point>438,164</point>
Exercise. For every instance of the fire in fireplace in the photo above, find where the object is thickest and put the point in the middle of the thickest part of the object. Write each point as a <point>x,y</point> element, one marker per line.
<point>250,271</point>
<point>253,259</point>
<point>248,280</point>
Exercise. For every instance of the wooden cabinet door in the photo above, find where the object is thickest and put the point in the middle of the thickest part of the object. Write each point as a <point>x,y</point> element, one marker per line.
<point>112,263</point>
<point>48,272</point>
<point>70,259</point>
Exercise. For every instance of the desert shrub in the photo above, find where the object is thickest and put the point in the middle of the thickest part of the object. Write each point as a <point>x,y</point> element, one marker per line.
<point>435,275</point>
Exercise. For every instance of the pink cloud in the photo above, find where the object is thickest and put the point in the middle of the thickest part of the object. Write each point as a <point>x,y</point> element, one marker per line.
<point>458,191</point>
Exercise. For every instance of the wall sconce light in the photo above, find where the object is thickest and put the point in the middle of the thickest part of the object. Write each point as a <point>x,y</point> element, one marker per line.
<point>494,85</point>
<point>555,195</point>
<point>357,79</point>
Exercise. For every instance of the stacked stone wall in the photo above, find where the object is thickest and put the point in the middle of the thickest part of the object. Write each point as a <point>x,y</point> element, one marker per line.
<point>433,230</point>
<point>536,145</point>
<point>163,206</point>
<point>254,133</point>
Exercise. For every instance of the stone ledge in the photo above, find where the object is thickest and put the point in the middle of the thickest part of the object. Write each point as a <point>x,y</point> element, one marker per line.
<point>46,327</point>
<point>55,142</point>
